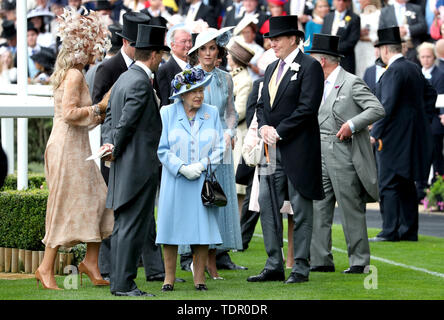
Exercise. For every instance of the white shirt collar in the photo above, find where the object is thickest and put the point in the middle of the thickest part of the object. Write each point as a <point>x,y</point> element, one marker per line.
<point>289,59</point>
<point>36,48</point>
<point>340,14</point>
<point>398,5</point>
<point>145,68</point>
<point>182,64</point>
<point>429,70</point>
<point>196,5</point>
<point>394,58</point>
<point>128,60</point>
<point>154,13</point>
<point>331,79</point>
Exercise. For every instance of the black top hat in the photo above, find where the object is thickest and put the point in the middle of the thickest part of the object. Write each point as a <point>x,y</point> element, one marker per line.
<point>193,38</point>
<point>116,41</point>
<point>32,27</point>
<point>130,22</point>
<point>45,57</point>
<point>283,25</point>
<point>151,37</point>
<point>104,5</point>
<point>9,31</point>
<point>9,5</point>
<point>158,21</point>
<point>325,44</point>
<point>388,36</point>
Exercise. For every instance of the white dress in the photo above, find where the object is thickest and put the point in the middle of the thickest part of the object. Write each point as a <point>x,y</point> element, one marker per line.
<point>364,50</point>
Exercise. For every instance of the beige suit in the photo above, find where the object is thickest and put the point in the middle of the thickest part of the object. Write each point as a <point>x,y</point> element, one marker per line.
<point>348,170</point>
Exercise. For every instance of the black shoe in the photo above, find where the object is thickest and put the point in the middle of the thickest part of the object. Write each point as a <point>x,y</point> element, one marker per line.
<point>161,277</point>
<point>201,287</point>
<point>156,277</point>
<point>267,275</point>
<point>134,293</point>
<point>186,267</point>
<point>106,277</point>
<point>296,278</point>
<point>167,287</point>
<point>354,270</point>
<point>231,266</point>
<point>323,269</point>
<point>378,239</point>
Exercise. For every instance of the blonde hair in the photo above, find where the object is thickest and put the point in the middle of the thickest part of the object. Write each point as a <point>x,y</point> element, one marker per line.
<point>426,45</point>
<point>62,65</point>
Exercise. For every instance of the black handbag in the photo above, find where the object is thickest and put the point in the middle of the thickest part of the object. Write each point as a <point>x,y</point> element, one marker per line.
<point>212,193</point>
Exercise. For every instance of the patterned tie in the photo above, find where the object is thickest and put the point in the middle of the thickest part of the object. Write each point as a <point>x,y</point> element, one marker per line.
<point>281,68</point>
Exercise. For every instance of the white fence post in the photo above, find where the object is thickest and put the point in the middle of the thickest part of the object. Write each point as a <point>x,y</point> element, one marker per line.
<point>8,142</point>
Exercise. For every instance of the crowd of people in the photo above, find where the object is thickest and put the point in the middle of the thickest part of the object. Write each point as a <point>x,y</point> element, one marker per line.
<point>293,105</point>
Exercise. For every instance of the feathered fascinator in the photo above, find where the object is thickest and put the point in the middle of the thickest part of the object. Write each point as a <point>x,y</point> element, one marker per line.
<point>83,35</point>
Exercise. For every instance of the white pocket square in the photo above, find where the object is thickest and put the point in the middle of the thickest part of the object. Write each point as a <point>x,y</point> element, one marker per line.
<point>294,77</point>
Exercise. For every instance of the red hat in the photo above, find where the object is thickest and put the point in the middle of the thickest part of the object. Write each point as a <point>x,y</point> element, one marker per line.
<point>278,2</point>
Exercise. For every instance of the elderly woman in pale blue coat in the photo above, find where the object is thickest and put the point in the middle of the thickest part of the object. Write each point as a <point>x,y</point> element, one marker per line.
<point>192,136</point>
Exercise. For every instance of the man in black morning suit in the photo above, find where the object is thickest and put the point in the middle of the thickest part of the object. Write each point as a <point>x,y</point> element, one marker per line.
<point>410,19</point>
<point>106,75</point>
<point>287,114</point>
<point>133,129</point>
<point>403,138</point>
<point>347,25</point>
<point>180,44</point>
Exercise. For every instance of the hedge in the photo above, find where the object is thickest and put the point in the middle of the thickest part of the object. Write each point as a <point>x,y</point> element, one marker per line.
<point>35,181</point>
<point>22,218</point>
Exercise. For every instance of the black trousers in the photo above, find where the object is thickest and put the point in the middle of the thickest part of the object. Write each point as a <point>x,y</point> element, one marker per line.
<point>249,218</point>
<point>399,208</point>
<point>131,224</point>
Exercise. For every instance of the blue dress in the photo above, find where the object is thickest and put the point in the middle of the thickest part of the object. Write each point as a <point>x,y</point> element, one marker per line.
<point>219,93</point>
<point>182,219</point>
<point>310,29</point>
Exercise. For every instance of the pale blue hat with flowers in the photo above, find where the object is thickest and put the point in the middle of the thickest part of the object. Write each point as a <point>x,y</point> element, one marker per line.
<point>188,80</point>
<point>221,36</point>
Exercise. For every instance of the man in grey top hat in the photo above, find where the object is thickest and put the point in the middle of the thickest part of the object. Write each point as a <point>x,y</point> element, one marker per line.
<point>349,176</point>
<point>132,132</point>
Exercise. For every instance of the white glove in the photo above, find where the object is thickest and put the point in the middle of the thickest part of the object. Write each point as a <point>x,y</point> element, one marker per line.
<point>192,171</point>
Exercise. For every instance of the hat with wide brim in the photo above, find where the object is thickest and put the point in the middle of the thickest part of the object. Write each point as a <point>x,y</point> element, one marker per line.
<point>130,22</point>
<point>284,26</point>
<point>239,50</point>
<point>186,81</point>
<point>150,37</point>
<point>39,13</point>
<point>325,44</point>
<point>45,57</point>
<point>222,36</point>
<point>246,21</point>
<point>388,36</point>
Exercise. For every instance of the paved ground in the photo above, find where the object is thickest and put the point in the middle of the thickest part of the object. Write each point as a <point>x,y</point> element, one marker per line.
<point>430,224</point>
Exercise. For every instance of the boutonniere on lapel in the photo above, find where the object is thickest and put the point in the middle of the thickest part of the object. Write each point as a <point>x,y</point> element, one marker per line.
<point>294,67</point>
<point>410,14</point>
<point>345,22</point>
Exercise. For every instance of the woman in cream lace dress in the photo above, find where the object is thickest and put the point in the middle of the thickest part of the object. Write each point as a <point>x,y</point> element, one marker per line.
<point>76,204</point>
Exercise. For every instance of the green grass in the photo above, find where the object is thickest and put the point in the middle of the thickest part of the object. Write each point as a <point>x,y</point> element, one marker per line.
<point>394,282</point>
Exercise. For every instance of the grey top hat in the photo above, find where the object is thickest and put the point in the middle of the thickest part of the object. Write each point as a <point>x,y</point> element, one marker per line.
<point>130,22</point>
<point>151,37</point>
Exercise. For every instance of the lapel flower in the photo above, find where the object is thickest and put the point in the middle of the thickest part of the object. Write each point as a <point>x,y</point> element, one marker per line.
<point>347,18</point>
<point>336,87</point>
<point>295,66</point>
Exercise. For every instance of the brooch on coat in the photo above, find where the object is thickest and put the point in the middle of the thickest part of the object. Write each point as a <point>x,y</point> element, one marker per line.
<point>206,116</point>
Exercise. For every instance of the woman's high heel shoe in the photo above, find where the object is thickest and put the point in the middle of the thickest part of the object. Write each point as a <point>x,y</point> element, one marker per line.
<point>214,278</point>
<point>96,282</point>
<point>39,278</point>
